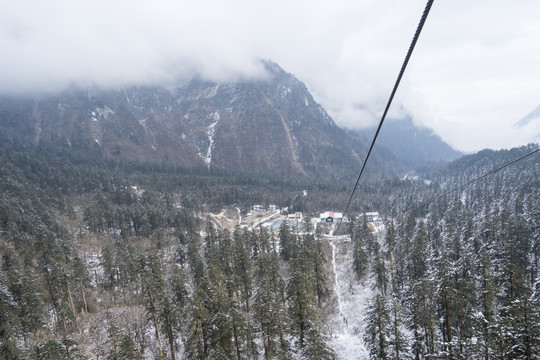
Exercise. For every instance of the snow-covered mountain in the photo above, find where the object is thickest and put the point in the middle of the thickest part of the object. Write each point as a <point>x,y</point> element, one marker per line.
<point>271,125</point>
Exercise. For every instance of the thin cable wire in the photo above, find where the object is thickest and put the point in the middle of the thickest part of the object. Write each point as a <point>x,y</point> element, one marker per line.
<point>413,209</point>
<point>405,62</point>
<point>491,172</point>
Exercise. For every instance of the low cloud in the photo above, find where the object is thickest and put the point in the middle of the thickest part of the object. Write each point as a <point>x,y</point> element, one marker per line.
<point>475,67</point>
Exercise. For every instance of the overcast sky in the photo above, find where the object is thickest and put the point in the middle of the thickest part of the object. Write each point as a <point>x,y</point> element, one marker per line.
<point>474,74</point>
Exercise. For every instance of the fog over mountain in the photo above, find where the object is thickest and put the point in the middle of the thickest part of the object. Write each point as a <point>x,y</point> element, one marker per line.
<point>415,147</point>
<point>270,125</point>
<point>469,82</point>
<point>531,124</point>
<point>167,194</point>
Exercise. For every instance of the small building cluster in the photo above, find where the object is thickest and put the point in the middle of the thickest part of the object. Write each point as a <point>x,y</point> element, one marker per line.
<point>295,216</point>
<point>273,218</point>
<point>330,216</point>
<point>374,218</point>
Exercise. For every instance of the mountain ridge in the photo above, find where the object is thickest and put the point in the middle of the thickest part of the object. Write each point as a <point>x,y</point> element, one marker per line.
<point>271,125</point>
<point>533,115</point>
<point>417,147</point>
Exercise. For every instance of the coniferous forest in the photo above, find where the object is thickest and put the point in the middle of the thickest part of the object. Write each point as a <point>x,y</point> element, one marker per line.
<point>110,260</point>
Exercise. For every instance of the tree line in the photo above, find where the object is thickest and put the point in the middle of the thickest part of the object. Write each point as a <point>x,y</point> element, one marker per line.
<point>456,273</point>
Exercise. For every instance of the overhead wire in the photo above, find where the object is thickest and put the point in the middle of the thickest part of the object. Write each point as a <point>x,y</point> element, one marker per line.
<point>396,85</point>
<point>491,172</point>
<point>494,171</point>
<point>484,175</point>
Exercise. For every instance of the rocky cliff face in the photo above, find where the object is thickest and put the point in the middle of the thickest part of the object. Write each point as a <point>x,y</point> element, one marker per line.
<point>271,125</point>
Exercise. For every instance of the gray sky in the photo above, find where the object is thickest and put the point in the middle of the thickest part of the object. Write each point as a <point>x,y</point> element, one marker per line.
<point>474,74</point>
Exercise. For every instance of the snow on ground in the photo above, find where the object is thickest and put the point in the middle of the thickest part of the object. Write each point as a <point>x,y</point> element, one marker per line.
<point>210,132</point>
<point>347,325</point>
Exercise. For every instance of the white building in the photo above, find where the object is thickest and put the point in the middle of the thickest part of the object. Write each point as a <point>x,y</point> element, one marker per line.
<point>295,216</point>
<point>330,216</point>
<point>373,217</point>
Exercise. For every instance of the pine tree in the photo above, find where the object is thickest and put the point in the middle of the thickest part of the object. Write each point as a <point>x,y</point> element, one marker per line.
<point>421,296</point>
<point>67,348</point>
<point>109,264</point>
<point>516,307</point>
<point>301,296</point>
<point>127,350</point>
<point>533,319</point>
<point>220,329</point>
<point>447,303</point>
<point>25,290</point>
<point>8,347</point>
<point>286,242</point>
<point>316,347</point>
<point>418,258</point>
<point>465,302</point>
<point>82,284</point>
<point>152,286</point>
<point>377,334</point>
<point>243,267</point>
<point>58,287</point>
<point>197,342</point>
<point>380,270</point>
<point>301,299</point>
<point>168,318</point>
<point>398,345</point>
<point>268,306</point>
<point>315,258</point>
<point>488,292</point>
<point>360,258</point>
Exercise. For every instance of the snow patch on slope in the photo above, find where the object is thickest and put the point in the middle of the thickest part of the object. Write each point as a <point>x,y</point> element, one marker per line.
<point>210,92</point>
<point>347,327</point>
<point>210,131</point>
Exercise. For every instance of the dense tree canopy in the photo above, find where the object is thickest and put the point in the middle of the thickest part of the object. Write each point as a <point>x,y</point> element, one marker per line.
<point>86,242</point>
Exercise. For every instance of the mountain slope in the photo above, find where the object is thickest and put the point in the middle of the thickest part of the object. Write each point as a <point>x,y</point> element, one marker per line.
<point>270,125</point>
<point>530,124</point>
<point>415,147</point>
<point>530,117</point>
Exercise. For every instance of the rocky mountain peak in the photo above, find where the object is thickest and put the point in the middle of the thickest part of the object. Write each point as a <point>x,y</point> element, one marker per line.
<point>269,125</point>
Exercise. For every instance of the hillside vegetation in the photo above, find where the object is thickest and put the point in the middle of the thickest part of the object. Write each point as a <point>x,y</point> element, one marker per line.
<point>119,260</point>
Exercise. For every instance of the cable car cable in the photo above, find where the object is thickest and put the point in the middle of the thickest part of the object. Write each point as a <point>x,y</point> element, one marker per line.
<point>480,177</point>
<point>494,171</point>
<point>403,67</point>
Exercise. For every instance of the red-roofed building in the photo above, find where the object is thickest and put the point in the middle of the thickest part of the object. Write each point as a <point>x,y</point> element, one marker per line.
<point>330,216</point>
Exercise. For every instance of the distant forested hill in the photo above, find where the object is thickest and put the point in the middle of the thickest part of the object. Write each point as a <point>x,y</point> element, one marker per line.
<point>458,270</point>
